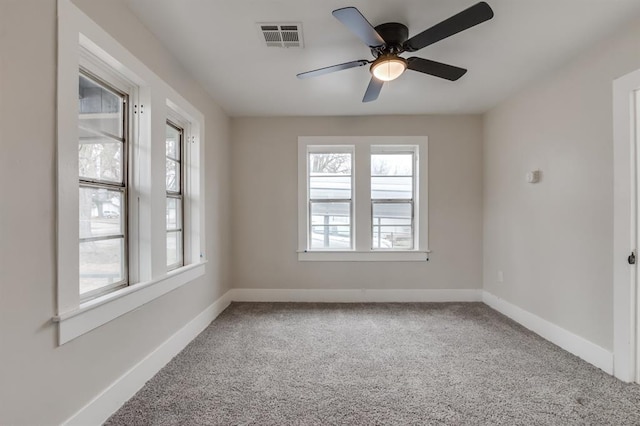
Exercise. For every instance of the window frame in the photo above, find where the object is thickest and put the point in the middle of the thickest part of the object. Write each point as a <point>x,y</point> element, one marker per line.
<point>362,249</point>
<point>179,194</point>
<point>91,69</point>
<point>81,41</point>
<point>329,149</point>
<point>413,201</point>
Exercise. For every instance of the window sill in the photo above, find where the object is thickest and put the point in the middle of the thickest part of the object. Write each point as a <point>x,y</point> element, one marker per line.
<point>96,312</point>
<point>364,256</point>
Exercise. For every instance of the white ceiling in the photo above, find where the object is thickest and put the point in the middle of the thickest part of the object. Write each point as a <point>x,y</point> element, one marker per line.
<point>218,42</point>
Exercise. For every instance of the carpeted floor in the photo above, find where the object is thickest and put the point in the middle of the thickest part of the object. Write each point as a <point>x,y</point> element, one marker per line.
<point>364,364</point>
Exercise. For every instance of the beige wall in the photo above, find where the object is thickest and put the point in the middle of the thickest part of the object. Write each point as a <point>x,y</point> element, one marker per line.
<point>264,205</point>
<point>41,383</point>
<point>553,240</point>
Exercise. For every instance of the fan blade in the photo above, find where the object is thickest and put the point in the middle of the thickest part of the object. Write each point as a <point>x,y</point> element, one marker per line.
<point>468,18</point>
<point>373,90</point>
<point>434,68</point>
<point>333,68</point>
<point>358,24</point>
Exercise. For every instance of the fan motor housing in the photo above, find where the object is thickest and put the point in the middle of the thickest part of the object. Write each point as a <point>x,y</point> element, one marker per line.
<point>394,34</point>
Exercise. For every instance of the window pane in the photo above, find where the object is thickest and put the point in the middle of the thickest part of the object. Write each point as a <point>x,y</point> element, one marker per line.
<point>174,205</point>
<point>174,248</point>
<point>391,187</point>
<point>99,157</point>
<point>329,220</point>
<point>100,109</point>
<point>173,176</point>
<point>330,213</point>
<point>100,212</point>
<point>392,164</point>
<point>330,225</point>
<point>391,213</point>
<point>101,264</point>
<point>338,163</point>
<point>391,226</point>
<point>393,237</point>
<point>330,187</point>
<point>173,142</point>
<point>330,237</point>
<point>174,213</point>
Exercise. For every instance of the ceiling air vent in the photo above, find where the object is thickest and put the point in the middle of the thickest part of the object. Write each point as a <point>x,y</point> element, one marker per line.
<point>281,35</point>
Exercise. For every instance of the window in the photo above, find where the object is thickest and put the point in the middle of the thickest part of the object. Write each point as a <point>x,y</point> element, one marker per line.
<point>392,196</point>
<point>174,183</point>
<point>330,198</point>
<point>102,170</point>
<point>362,198</point>
<point>122,239</point>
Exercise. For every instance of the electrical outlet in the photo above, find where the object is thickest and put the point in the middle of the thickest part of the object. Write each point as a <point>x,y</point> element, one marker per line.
<point>500,277</point>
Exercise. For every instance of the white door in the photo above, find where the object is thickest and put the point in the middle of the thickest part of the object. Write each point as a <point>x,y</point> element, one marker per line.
<point>626,232</point>
<point>635,133</point>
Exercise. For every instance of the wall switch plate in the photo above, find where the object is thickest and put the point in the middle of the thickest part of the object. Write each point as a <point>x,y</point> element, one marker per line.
<point>500,277</point>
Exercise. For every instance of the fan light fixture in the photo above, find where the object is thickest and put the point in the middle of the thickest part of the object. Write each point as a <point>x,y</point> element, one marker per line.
<point>388,67</point>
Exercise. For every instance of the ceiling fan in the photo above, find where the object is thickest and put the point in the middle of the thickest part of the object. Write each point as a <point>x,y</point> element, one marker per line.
<point>387,41</point>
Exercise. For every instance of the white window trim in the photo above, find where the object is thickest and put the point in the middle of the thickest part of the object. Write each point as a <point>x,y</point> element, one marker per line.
<point>99,311</point>
<point>362,200</point>
<point>148,276</point>
<point>191,184</point>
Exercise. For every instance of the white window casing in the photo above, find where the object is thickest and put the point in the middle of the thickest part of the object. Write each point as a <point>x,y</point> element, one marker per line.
<point>362,148</point>
<point>83,44</point>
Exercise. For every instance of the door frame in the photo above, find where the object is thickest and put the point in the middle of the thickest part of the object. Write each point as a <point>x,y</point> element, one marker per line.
<point>625,227</point>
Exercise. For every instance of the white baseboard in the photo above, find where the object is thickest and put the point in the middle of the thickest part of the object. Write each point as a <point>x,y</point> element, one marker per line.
<point>568,341</point>
<point>354,296</point>
<point>98,410</point>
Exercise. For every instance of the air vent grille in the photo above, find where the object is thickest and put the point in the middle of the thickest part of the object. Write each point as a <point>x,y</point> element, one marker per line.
<point>281,35</point>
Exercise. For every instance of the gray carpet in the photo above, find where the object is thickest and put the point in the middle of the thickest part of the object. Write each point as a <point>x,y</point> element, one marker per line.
<point>365,364</point>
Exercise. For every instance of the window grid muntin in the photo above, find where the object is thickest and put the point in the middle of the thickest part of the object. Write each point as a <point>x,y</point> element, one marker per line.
<point>330,150</point>
<point>177,194</point>
<point>390,150</point>
<point>112,186</point>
